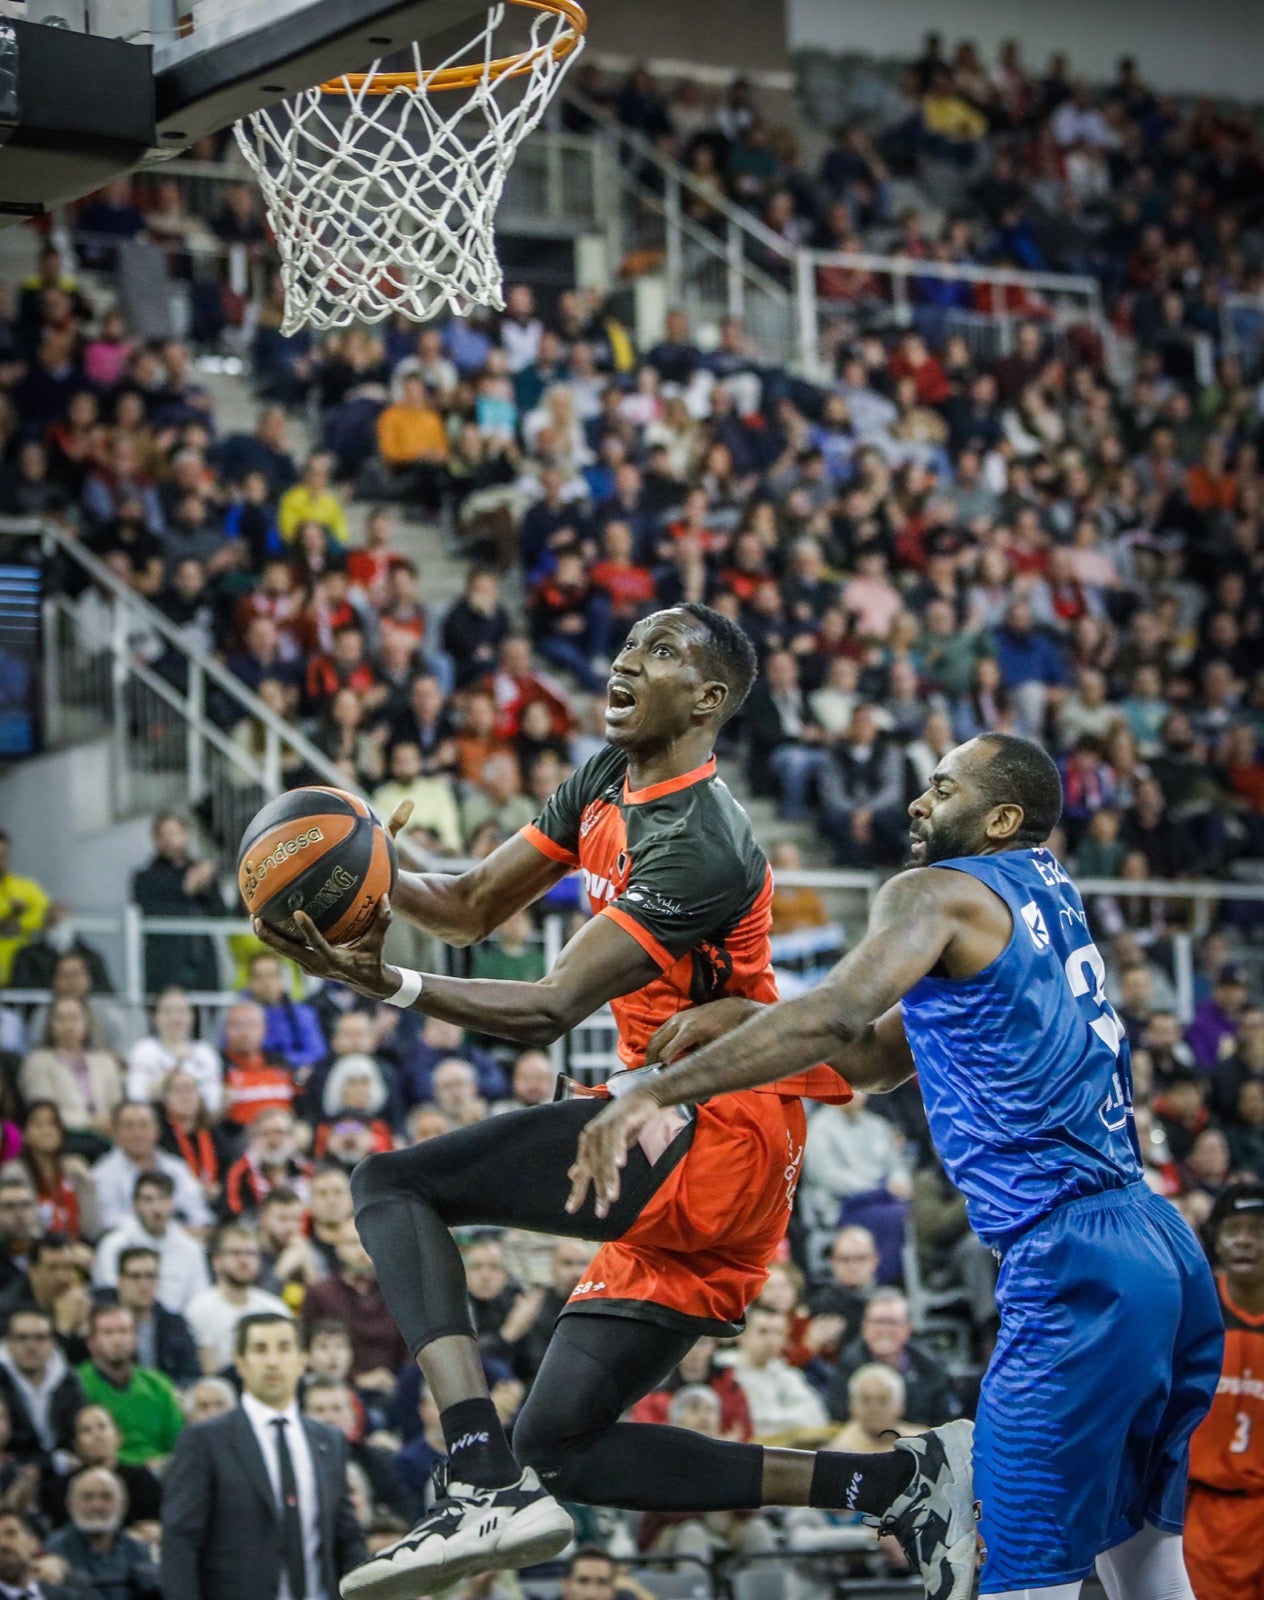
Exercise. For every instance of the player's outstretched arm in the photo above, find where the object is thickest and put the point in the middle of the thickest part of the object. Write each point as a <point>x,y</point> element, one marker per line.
<point>915,917</point>
<point>879,1061</point>
<point>599,963</point>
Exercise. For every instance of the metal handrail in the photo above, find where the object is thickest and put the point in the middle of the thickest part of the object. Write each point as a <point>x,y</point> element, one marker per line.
<point>645,151</point>
<point>203,668</point>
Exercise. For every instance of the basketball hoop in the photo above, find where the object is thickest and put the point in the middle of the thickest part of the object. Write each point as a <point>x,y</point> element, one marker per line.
<point>382,197</point>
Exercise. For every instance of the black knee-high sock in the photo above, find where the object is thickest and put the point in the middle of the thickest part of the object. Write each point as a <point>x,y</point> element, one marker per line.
<point>842,1481</point>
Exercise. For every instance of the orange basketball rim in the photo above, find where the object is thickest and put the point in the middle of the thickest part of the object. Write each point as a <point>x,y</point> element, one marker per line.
<point>474,72</point>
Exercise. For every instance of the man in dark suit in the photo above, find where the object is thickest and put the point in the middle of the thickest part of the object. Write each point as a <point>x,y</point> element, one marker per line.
<point>255,1502</point>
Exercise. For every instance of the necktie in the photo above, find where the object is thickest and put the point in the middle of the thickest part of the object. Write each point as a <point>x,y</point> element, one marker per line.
<point>291,1523</point>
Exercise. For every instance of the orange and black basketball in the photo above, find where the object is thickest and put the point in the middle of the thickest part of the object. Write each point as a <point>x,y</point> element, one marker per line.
<point>321,851</point>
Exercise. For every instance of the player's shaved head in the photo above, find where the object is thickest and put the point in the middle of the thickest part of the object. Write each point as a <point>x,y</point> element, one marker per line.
<point>996,792</point>
<point>1016,771</point>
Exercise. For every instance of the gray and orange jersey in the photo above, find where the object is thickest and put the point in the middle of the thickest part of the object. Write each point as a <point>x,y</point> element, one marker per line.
<point>676,866</point>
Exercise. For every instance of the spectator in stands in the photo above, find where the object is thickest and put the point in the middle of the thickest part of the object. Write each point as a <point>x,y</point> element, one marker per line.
<point>271,1160</point>
<point>454,1088</point>
<point>109,216</point>
<point>189,1132</point>
<point>1243,1064</point>
<point>213,1314</point>
<point>351,1296</point>
<point>22,1569</point>
<point>63,1185</point>
<point>96,1444</point>
<point>853,1277</point>
<point>334,1403</point>
<point>174,885</point>
<point>55,1282</point>
<point>209,1397</point>
<point>785,745</point>
<point>20,1224</point>
<point>163,1338</point>
<point>151,1225</point>
<point>412,446</point>
<point>564,622</point>
<point>876,1402</point>
<point>39,1386</point>
<point>254,1080</point>
<point>329,1210</point>
<point>141,1400</point>
<point>884,1337</point>
<point>476,627</point>
<point>567,1267</point>
<point>862,795</point>
<point>135,1133</point>
<point>312,499</point>
<point>84,1084</point>
<point>289,1264</point>
<point>855,1169</point>
<point>784,1407</point>
<point>1212,1032</point>
<point>23,908</point>
<point>72,980</point>
<point>1031,666</point>
<point>435,817</point>
<point>35,962</point>
<point>171,1045</point>
<point>93,1545</point>
<point>292,1029</point>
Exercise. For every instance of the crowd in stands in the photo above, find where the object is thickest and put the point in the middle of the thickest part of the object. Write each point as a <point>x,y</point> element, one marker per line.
<point>936,543</point>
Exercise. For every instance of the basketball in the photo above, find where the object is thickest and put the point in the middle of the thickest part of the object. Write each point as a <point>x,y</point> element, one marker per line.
<point>321,851</point>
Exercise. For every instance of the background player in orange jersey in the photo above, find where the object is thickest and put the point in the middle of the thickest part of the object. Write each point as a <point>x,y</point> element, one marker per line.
<point>1224,1519</point>
<point>681,900</point>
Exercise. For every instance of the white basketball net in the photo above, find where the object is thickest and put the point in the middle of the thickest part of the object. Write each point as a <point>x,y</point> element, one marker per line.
<point>385,203</point>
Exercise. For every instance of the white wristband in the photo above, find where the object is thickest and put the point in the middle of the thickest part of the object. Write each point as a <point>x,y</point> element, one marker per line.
<point>409,989</point>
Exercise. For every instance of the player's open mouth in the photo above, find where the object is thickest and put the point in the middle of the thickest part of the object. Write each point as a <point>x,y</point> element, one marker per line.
<point>620,701</point>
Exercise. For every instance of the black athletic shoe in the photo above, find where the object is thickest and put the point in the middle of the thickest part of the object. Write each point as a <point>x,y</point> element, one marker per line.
<point>934,1518</point>
<point>467,1530</point>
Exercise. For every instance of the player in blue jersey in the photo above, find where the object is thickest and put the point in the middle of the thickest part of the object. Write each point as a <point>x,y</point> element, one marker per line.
<point>978,973</point>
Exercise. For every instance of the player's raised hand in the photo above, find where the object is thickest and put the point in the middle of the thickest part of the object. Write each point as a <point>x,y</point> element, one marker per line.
<point>690,1030</point>
<point>358,965</point>
<point>603,1149</point>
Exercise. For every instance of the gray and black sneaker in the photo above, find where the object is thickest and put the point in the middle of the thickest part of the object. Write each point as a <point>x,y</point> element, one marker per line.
<point>935,1518</point>
<point>468,1530</point>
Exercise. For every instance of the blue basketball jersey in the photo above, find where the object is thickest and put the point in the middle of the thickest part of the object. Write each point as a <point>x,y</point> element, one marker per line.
<point>1024,1068</point>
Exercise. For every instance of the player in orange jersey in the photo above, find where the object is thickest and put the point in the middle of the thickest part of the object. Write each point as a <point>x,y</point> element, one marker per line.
<point>681,901</point>
<point>1224,1518</point>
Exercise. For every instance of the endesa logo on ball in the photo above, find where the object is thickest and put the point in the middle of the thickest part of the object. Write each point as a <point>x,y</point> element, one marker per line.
<point>257,872</point>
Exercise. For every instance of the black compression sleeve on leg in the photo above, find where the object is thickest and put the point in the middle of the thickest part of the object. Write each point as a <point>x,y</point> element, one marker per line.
<point>595,1368</point>
<point>508,1172</point>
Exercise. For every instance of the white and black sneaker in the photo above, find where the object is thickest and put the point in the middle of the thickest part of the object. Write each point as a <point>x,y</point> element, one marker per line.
<point>467,1530</point>
<point>935,1518</point>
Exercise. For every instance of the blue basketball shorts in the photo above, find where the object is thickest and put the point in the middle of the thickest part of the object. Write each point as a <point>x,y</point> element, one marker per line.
<point>1108,1356</point>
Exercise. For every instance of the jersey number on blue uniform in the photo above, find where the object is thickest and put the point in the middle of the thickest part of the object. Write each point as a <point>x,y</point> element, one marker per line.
<point>1085,962</point>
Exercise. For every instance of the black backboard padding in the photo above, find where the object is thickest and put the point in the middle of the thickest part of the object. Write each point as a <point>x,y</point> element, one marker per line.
<point>212,89</point>
<point>84,113</point>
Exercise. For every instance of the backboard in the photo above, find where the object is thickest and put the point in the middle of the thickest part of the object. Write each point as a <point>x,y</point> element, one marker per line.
<point>80,105</point>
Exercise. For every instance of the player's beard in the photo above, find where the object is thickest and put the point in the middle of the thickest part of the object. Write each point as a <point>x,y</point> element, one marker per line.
<point>948,841</point>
